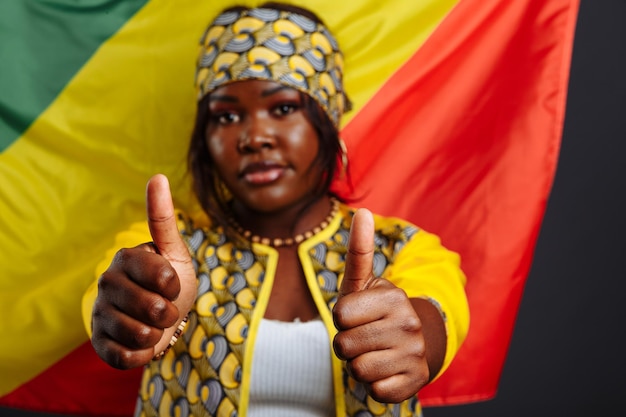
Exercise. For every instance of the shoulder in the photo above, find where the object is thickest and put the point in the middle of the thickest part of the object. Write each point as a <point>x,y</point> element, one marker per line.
<point>395,236</point>
<point>392,237</point>
<point>198,231</point>
<point>385,227</point>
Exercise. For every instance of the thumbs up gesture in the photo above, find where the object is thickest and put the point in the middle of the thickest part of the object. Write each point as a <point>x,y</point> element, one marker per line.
<point>146,291</point>
<point>380,334</point>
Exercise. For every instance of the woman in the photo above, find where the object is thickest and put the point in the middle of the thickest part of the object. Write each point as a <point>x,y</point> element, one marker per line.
<point>286,301</point>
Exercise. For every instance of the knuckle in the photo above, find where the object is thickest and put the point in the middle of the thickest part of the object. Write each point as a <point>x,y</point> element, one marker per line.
<point>166,281</point>
<point>339,317</point>
<point>144,337</point>
<point>378,394</point>
<point>157,309</point>
<point>339,347</point>
<point>122,256</point>
<point>165,274</point>
<point>411,323</point>
<point>96,315</point>
<point>381,393</point>
<point>343,314</point>
<point>422,378</point>
<point>359,370</point>
<point>419,350</point>
<point>397,295</point>
<point>104,282</point>
<point>118,359</point>
<point>121,359</point>
<point>100,316</point>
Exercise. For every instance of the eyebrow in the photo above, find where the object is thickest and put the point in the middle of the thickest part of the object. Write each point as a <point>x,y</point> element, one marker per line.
<point>223,97</point>
<point>274,90</point>
<point>233,99</point>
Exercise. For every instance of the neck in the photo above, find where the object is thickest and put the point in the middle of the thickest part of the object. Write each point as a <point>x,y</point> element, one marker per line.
<point>285,224</point>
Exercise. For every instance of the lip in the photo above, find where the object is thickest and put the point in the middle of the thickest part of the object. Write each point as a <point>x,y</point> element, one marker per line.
<point>262,172</point>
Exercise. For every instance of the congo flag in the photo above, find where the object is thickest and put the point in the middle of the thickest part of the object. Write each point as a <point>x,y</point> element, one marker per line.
<point>457,121</point>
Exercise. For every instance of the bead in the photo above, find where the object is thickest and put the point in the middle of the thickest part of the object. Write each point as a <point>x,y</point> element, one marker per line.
<point>280,242</point>
<point>174,339</point>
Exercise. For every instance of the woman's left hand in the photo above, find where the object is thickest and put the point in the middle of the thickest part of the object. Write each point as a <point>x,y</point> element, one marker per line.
<point>380,334</point>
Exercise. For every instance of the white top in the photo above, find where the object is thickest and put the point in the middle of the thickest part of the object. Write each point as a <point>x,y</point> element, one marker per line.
<point>291,371</point>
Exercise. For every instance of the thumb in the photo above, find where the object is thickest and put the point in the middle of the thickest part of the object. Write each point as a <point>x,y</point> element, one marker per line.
<point>162,221</point>
<point>358,272</point>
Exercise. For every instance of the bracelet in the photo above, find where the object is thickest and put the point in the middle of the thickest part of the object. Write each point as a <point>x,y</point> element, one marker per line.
<point>174,338</point>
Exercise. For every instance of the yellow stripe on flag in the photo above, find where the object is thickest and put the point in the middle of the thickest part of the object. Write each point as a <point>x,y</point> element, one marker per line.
<point>76,176</point>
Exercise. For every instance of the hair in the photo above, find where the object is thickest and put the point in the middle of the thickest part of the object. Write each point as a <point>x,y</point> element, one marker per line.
<point>208,187</point>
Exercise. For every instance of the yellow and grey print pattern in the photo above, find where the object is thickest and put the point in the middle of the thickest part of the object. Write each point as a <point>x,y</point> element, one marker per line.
<point>280,46</point>
<point>202,374</point>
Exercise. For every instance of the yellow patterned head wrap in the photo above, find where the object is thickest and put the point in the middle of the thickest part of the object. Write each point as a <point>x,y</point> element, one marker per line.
<point>276,45</point>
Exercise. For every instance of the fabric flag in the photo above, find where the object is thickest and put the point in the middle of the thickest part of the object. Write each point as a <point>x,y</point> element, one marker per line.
<point>457,120</point>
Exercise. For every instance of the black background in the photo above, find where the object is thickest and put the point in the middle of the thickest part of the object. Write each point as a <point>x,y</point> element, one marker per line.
<point>566,356</point>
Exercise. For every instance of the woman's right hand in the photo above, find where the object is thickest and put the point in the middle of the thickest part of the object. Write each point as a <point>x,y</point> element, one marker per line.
<point>146,291</point>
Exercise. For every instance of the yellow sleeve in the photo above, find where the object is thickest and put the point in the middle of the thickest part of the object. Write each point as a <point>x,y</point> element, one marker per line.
<point>425,269</point>
<point>137,234</point>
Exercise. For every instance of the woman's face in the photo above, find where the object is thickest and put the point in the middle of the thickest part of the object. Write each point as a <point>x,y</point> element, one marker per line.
<point>263,145</point>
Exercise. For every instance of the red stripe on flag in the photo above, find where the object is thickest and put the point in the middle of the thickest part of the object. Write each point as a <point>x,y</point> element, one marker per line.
<point>79,384</point>
<point>463,140</point>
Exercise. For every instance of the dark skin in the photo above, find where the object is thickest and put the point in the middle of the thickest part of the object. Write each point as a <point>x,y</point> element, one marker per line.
<point>265,148</point>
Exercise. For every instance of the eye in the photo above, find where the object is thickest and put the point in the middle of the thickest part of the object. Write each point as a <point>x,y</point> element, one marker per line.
<point>225,118</point>
<point>284,109</point>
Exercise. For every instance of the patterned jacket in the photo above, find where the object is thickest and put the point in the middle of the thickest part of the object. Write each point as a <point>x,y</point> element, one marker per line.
<point>207,372</point>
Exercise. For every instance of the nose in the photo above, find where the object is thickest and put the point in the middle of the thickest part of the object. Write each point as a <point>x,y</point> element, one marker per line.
<point>258,134</point>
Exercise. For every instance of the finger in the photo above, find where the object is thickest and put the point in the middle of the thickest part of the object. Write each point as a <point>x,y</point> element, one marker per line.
<point>395,388</point>
<point>359,258</point>
<point>386,377</point>
<point>124,330</point>
<point>162,221</point>
<point>142,266</point>
<point>376,365</point>
<point>349,344</point>
<point>119,356</point>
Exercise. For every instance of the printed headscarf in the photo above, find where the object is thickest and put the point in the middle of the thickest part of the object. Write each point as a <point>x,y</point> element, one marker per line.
<point>276,45</point>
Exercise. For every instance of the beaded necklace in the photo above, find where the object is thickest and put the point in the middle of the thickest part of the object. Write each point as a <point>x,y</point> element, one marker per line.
<point>280,242</point>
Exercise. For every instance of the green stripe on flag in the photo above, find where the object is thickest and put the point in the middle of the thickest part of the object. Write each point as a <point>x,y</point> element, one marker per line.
<point>43,43</point>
